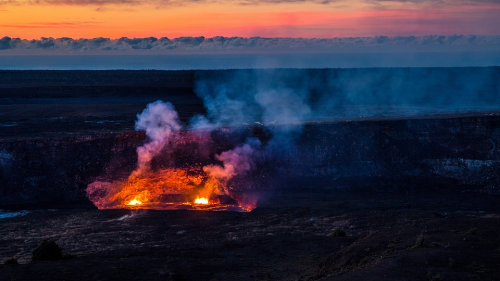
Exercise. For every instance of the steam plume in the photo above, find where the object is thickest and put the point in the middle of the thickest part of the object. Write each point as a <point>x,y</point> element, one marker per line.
<point>159,119</point>
<point>291,98</point>
<point>239,97</point>
<point>257,97</point>
<point>251,97</point>
<point>235,162</point>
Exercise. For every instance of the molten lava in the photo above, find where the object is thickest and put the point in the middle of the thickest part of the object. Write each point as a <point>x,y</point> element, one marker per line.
<point>192,184</point>
<point>202,200</point>
<point>167,189</point>
<point>134,202</point>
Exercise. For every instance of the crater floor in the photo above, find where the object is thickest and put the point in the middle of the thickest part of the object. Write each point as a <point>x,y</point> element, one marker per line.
<point>290,236</point>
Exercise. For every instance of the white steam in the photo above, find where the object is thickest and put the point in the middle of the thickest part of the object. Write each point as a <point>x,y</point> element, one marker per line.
<point>263,97</point>
<point>238,98</point>
<point>159,119</point>
<point>237,161</point>
<point>283,106</point>
<point>242,97</point>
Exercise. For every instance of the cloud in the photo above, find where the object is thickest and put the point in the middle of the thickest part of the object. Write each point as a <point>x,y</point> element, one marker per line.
<point>260,44</point>
<point>5,43</point>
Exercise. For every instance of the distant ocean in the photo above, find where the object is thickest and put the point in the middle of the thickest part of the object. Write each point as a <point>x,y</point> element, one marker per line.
<point>244,61</point>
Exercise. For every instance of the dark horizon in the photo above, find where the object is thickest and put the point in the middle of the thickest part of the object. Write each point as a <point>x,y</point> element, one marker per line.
<point>246,61</point>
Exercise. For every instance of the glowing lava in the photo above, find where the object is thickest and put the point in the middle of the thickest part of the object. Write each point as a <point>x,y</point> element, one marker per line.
<point>168,189</point>
<point>201,200</point>
<point>134,202</point>
<point>156,185</point>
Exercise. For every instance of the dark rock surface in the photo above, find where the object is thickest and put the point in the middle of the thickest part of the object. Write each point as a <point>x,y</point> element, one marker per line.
<point>288,237</point>
<point>47,250</point>
<point>55,172</point>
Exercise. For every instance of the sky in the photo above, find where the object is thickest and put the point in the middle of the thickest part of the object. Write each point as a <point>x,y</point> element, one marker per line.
<point>33,19</point>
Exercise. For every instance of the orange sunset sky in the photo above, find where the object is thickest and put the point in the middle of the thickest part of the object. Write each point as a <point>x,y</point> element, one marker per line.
<point>267,18</point>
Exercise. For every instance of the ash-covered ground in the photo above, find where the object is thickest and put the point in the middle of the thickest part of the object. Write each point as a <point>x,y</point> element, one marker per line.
<point>290,236</point>
<point>403,186</point>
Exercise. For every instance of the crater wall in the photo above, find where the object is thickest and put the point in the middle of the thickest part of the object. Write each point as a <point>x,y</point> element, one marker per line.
<point>450,154</point>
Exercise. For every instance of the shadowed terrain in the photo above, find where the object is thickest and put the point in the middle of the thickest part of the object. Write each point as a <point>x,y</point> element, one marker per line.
<point>290,236</point>
<point>402,192</point>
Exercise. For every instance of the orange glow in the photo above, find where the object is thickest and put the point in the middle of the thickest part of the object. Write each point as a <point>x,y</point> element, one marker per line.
<point>299,19</point>
<point>187,187</point>
<point>134,202</point>
<point>167,189</point>
<point>204,20</point>
<point>202,200</point>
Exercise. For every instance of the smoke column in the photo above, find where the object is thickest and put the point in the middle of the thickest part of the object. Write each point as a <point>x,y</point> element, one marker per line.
<point>281,101</point>
<point>237,161</point>
<point>291,96</point>
<point>159,119</point>
<point>258,98</point>
<point>247,98</point>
